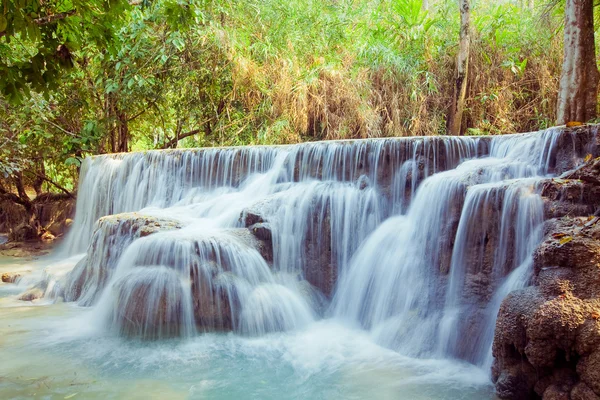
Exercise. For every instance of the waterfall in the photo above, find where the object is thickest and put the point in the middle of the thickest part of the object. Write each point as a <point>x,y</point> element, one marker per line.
<point>414,240</point>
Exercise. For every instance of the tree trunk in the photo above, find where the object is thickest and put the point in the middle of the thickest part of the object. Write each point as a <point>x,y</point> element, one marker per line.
<point>39,179</point>
<point>25,201</point>
<point>18,180</point>
<point>531,4</point>
<point>462,70</point>
<point>578,90</point>
<point>123,131</point>
<point>425,5</point>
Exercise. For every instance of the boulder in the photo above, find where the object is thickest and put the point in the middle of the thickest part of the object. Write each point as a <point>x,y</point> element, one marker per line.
<point>10,277</point>
<point>32,294</point>
<point>150,303</point>
<point>112,235</point>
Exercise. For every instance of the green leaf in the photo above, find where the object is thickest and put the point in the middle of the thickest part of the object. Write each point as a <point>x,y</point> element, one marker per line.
<point>565,240</point>
<point>72,161</point>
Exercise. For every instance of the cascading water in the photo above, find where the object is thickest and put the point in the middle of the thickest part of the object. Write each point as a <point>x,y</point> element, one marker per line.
<point>460,215</point>
<point>412,241</point>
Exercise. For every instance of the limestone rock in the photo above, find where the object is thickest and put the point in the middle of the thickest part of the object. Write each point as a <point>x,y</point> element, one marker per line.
<point>547,338</point>
<point>581,391</point>
<point>112,235</point>
<point>588,369</point>
<point>32,294</point>
<point>10,277</point>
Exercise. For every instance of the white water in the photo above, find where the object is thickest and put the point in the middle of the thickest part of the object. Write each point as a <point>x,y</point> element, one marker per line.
<point>390,260</point>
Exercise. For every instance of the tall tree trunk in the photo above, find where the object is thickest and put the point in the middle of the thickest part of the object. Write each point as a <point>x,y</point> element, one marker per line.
<point>531,4</point>
<point>425,5</point>
<point>109,108</point>
<point>20,186</point>
<point>123,128</point>
<point>462,70</point>
<point>25,201</point>
<point>578,90</point>
<point>39,179</point>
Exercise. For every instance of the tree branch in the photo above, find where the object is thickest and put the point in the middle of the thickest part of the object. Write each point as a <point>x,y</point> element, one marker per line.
<point>48,19</point>
<point>55,185</point>
<point>174,141</point>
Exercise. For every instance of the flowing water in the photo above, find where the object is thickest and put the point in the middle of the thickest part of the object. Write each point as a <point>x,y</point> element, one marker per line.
<point>376,270</point>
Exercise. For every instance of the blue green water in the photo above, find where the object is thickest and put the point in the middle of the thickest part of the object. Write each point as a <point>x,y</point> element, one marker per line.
<point>50,352</point>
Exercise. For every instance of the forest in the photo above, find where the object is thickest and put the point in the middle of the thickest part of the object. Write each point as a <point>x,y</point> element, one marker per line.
<point>303,199</point>
<point>85,77</point>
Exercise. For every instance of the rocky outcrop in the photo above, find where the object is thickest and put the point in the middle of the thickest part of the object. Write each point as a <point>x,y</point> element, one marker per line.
<point>112,235</point>
<point>150,303</point>
<point>170,286</point>
<point>547,339</point>
<point>319,266</point>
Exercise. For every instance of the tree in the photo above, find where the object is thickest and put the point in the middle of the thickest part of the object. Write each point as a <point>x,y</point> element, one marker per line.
<point>454,121</point>
<point>38,38</point>
<point>578,90</point>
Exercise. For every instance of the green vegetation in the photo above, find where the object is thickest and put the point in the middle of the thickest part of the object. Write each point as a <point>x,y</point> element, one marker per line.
<point>89,77</point>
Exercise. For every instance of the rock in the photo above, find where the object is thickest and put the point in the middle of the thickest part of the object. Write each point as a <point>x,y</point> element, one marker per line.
<point>257,213</point>
<point>23,233</point>
<point>572,145</point>
<point>212,303</point>
<point>556,392</point>
<point>10,277</point>
<point>149,303</point>
<point>581,391</point>
<point>588,369</point>
<point>553,327</point>
<point>112,235</point>
<point>516,382</point>
<point>262,231</point>
<point>363,182</point>
<point>319,268</point>
<point>588,338</point>
<point>47,236</point>
<point>32,294</point>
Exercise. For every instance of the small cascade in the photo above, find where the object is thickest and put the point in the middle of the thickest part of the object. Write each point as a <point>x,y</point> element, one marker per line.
<point>151,302</point>
<point>496,234</point>
<point>216,280</point>
<point>413,240</point>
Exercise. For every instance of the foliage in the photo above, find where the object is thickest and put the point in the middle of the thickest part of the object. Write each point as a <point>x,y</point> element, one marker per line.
<point>112,76</point>
<point>39,38</point>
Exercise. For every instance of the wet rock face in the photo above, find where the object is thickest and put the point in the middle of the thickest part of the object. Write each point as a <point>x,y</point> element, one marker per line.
<point>574,193</point>
<point>111,237</point>
<point>173,284</point>
<point>319,267</point>
<point>10,277</point>
<point>573,145</point>
<point>547,339</point>
<point>149,303</point>
<point>214,298</point>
